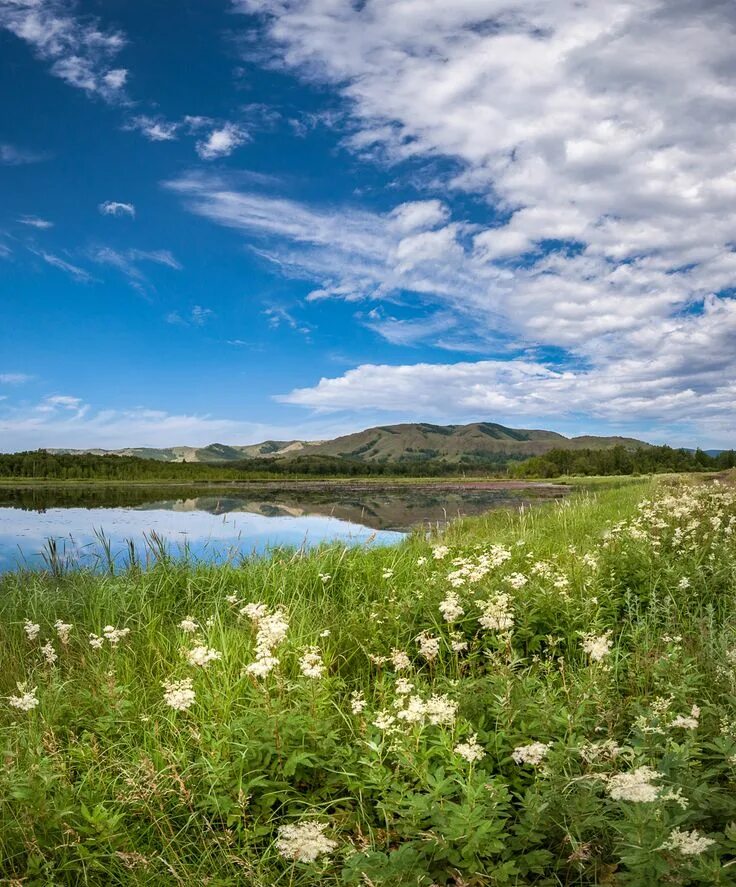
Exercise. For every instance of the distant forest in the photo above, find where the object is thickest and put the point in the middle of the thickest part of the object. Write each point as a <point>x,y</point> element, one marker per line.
<point>557,462</point>
<point>58,466</point>
<point>619,460</point>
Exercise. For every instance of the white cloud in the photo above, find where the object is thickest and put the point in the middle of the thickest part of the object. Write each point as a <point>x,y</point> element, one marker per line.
<point>278,316</point>
<point>594,131</point>
<point>63,265</point>
<point>418,215</point>
<point>683,373</point>
<point>408,331</point>
<point>156,129</point>
<point>36,222</point>
<point>113,208</point>
<point>14,378</point>
<point>79,50</point>
<point>198,316</point>
<point>11,155</point>
<point>221,142</point>
<point>69,421</point>
<point>128,263</point>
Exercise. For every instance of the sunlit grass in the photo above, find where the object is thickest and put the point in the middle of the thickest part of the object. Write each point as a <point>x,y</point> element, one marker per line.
<point>494,759</point>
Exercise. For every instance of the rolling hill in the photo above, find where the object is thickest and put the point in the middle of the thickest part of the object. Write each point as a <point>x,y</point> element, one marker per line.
<point>468,444</point>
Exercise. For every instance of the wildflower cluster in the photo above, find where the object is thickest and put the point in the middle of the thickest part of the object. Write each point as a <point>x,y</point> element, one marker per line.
<point>27,700</point>
<point>271,629</point>
<point>304,841</point>
<point>202,656</point>
<point>496,613</point>
<point>179,695</point>
<point>532,754</point>
<point>310,663</point>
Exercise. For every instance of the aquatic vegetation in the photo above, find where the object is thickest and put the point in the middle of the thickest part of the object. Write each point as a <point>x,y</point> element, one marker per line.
<point>539,697</point>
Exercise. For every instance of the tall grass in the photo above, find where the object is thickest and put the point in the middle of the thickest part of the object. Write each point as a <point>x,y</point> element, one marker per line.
<point>591,627</point>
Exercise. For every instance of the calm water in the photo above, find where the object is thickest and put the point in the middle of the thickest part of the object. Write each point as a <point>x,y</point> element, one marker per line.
<point>216,524</point>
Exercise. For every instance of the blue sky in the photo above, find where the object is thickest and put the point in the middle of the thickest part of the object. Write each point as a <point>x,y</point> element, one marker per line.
<point>238,220</point>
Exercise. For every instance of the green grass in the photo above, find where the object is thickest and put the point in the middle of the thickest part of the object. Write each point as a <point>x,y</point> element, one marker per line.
<point>104,783</point>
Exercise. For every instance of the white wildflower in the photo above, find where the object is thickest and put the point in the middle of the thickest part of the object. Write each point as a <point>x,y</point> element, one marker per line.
<point>49,654</point>
<point>607,750</point>
<point>471,750</point>
<point>684,583</point>
<point>27,700</point>
<point>188,625</point>
<point>404,686</point>
<point>439,552</point>
<point>272,629</point>
<point>63,629</point>
<point>497,614</point>
<point>325,633</point>
<point>179,695</point>
<point>304,841</point>
<point>95,641</point>
<point>421,561</point>
<point>532,754</point>
<point>325,577</point>
<point>384,720</point>
<point>357,702</point>
<point>441,710</point>
<point>590,560</point>
<point>688,843</point>
<point>31,629</point>
<point>687,723</point>
<point>202,656</point>
<point>597,647</point>
<point>254,612</point>
<point>429,646</point>
<point>517,580</point>
<point>115,635</point>
<point>262,666</point>
<point>636,785</point>
<point>458,642</point>
<point>231,598</point>
<point>450,607</point>
<point>387,574</point>
<point>675,795</point>
<point>311,664</point>
<point>415,711</point>
<point>400,660</point>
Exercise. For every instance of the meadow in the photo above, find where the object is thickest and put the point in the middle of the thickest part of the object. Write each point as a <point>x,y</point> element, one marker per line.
<point>545,697</point>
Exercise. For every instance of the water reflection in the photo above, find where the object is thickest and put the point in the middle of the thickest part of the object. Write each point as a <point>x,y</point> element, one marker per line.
<point>215,524</point>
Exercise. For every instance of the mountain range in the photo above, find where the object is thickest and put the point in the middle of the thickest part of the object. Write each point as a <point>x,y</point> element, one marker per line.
<point>477,442</point>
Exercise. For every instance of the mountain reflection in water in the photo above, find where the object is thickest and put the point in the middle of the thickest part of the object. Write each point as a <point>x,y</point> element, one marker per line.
<point>214,524</point>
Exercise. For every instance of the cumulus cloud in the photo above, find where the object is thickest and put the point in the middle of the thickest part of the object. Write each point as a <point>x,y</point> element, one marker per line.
<point>215,138</point>
<point>79,50</point>
<point>113,208</point>
<point>594,132</point>
<point>221,142</point>
<point>683,373</point>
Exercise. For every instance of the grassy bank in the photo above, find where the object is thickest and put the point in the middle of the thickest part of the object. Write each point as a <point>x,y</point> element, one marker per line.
<point>544,698</point>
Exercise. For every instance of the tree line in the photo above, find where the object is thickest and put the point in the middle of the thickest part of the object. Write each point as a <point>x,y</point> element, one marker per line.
<point>615,460</point>
<point>619,460</point>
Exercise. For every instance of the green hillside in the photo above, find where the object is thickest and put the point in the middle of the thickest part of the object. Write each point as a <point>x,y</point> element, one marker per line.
<point>409,442</point>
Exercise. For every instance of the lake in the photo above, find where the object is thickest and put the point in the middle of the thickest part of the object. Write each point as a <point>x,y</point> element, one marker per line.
<point>87,525</point>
